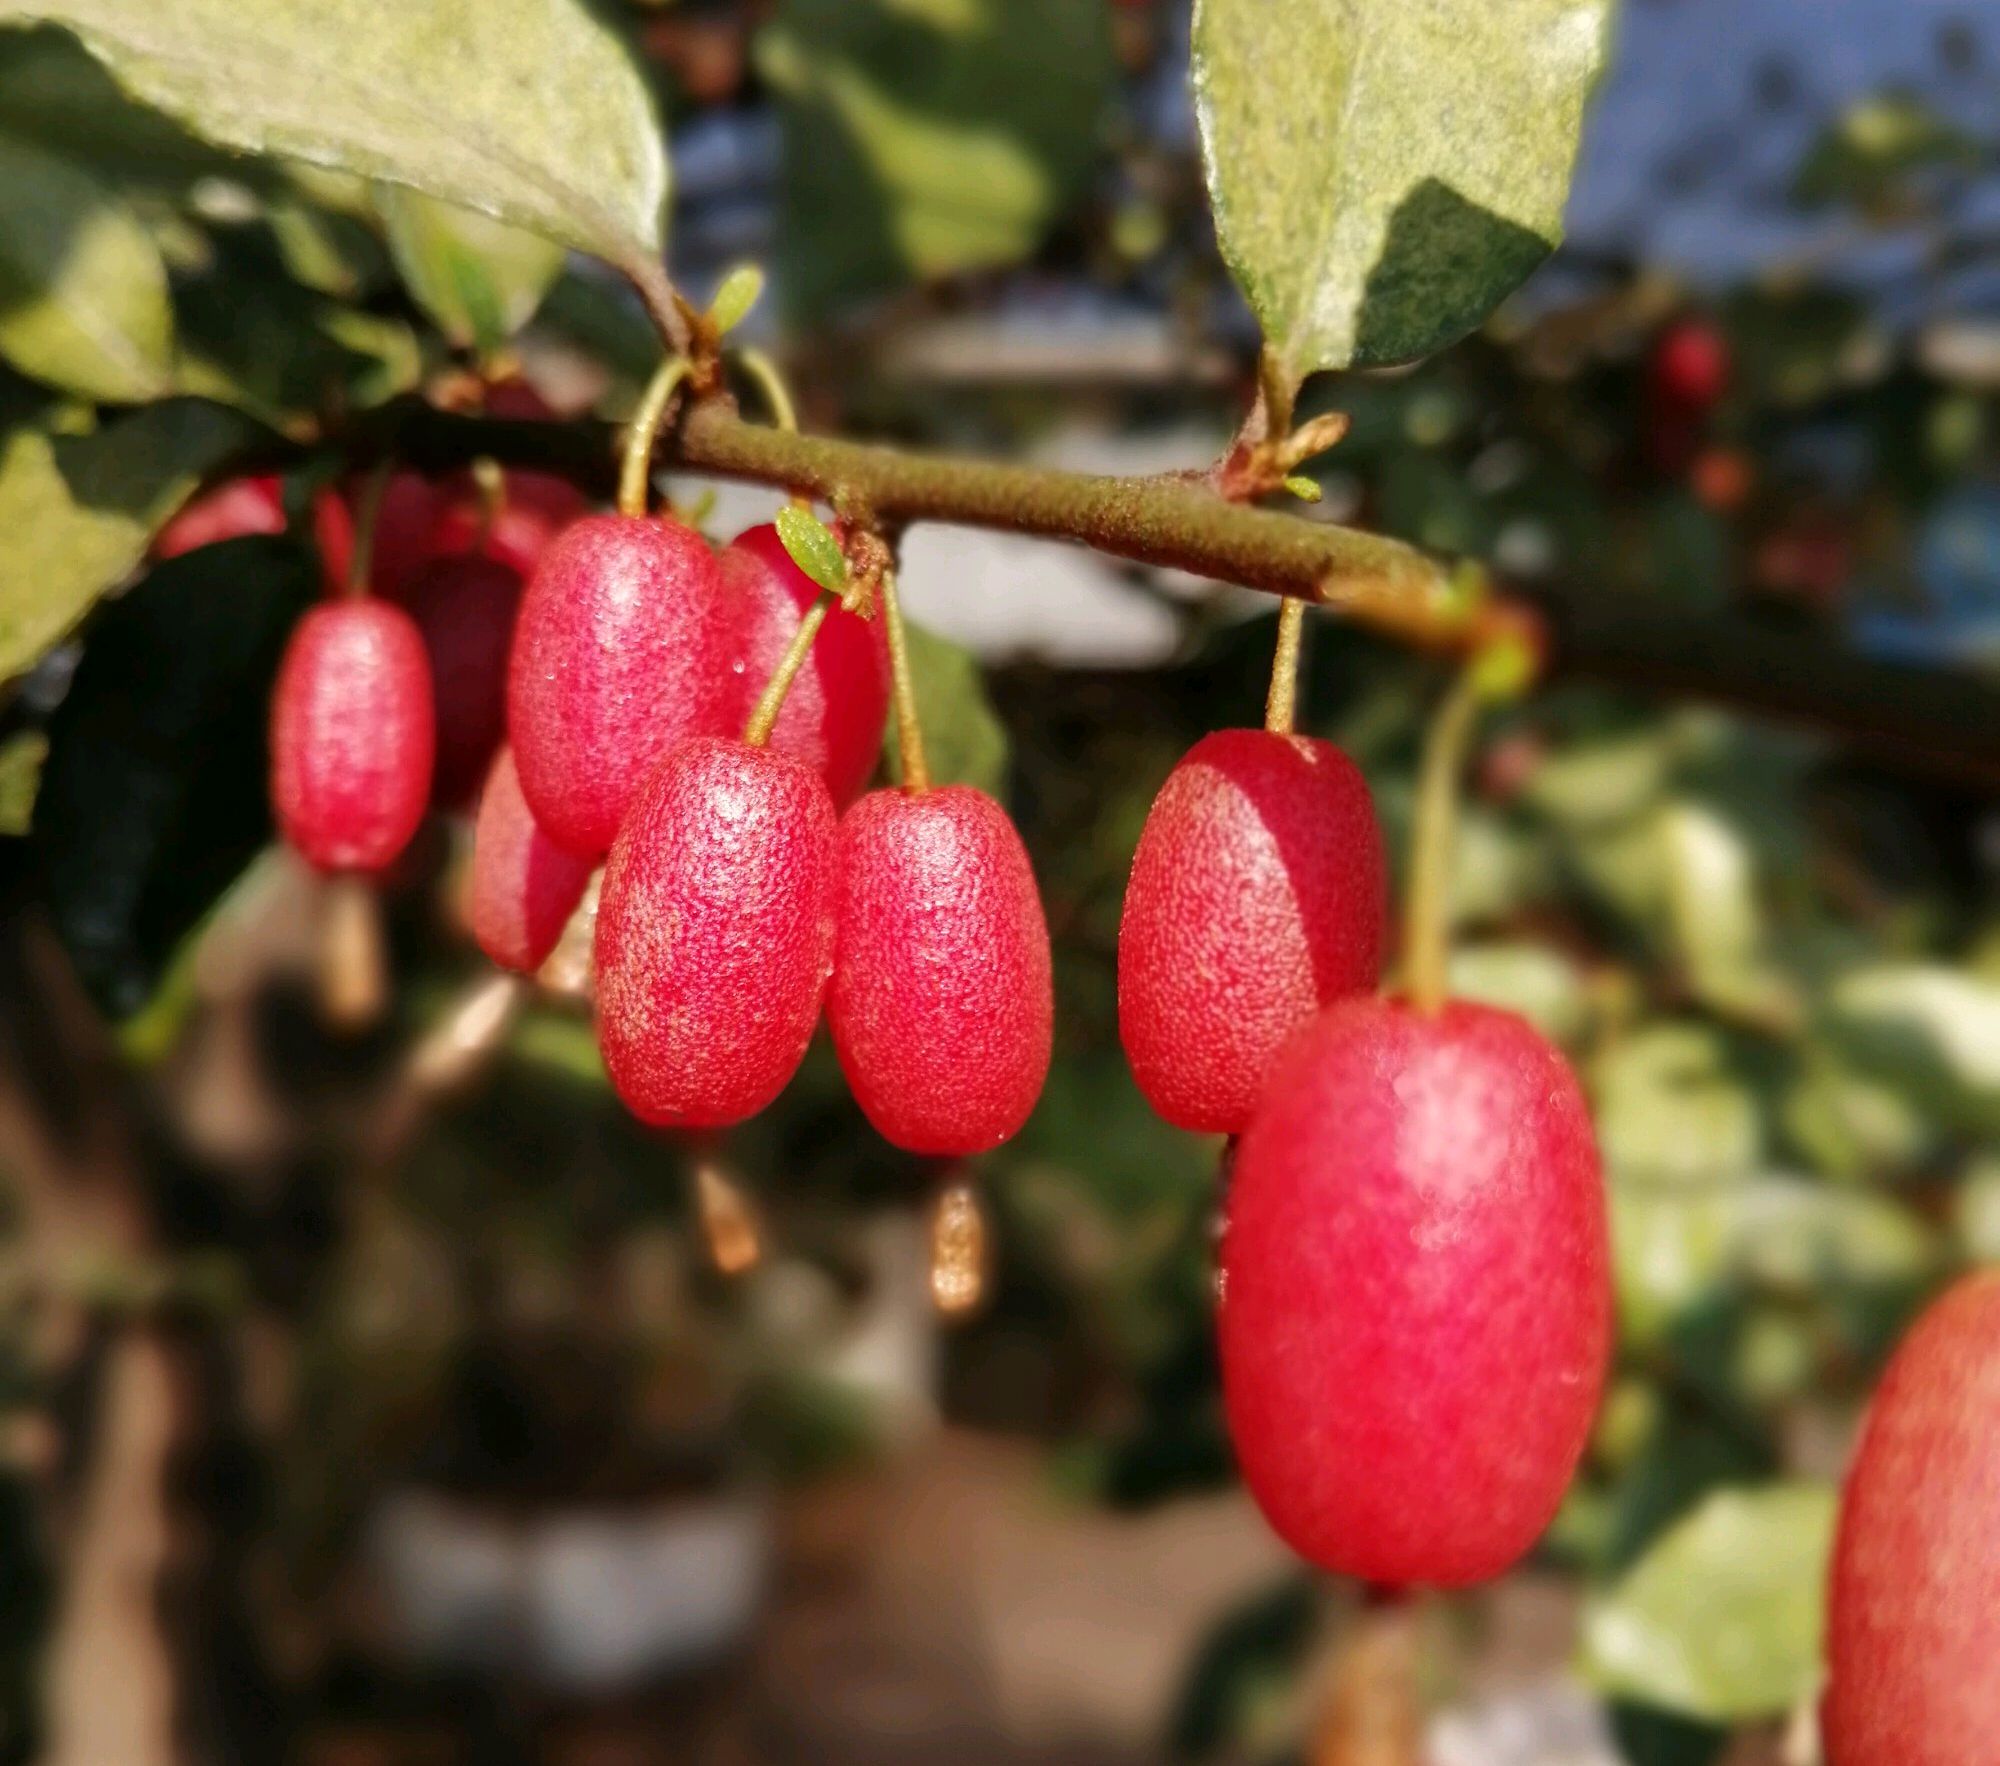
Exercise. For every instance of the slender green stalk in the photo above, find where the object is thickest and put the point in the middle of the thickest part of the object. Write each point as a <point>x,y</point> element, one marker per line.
<point>765,717</point>
<point>361,562</point>
<point>771,384</point>
<point>1281,706</point>
<point>492,484</point>
<point>636,473</point>
<point>1427,921</point>
<point>909,727</point>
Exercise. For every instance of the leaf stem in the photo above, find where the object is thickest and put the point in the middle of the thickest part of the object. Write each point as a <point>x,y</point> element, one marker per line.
<point>636,472</point>
<point>1282,704</point>
<point>669,312</point>
<point>1427,918</point>
<point>765,716</point>
<point>909,727</point>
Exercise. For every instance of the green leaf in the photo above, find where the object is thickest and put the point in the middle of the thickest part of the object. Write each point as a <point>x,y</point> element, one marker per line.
<point>812,547</point>
<point>329,250</point>
<point>1809,1239</point>
<point>154,794</point>
<point>1672,1108</point>
<point>533,112</point>
<point>561,1044</point>
<point>1385,172</point>
<point>78,511</point>
<point>478,279</point>
<point>739,292</point>
<point>1931,1029</point>
<point>1877,145</point>
<point>54,93</point>
<point>1721,1619</point>
<point>964,741</point>
<point>83,293</point>
<point>251,336</point>
<point>925,137</point>
<point>1536,980</point>
<point>21,758</point>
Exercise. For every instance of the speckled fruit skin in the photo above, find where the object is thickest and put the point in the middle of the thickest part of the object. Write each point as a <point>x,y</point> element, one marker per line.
<point>465,608</point>
<point>941,1006</point>
<point>1913,1616</point>
<point>1258,895</point>
<point>1416,1306</point>
<point>833,715</point>
<point>352,731</point>
<point>522,887</point>
<point>715,933</point>
<point>231,510</point>
<point>616,658</point>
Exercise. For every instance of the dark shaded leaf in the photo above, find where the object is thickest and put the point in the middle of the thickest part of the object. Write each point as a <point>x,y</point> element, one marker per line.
<point>931,138</point>
<point>78,511</point>
<point>83,293</point>
<point>153,796</point>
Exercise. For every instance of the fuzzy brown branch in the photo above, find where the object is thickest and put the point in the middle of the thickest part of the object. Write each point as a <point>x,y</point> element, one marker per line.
<point>1929,721</point>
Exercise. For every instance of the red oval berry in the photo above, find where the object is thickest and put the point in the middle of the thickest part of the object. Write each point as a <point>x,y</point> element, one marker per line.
<point>834,713</point>
<point>940,1004</point>
<point>1690,365</point>
<point>352,731</point>
<point>616,658</point>
<point>465,608</point>
<point>1258,895</point>
<point>230,511</point>
<point>523,887</point>
<point>1415,1307</point>
<point>1913,1616</point>
<point>715,933</point>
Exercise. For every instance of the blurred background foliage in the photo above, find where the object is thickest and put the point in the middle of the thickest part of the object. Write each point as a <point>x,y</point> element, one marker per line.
<point>394,1309</point>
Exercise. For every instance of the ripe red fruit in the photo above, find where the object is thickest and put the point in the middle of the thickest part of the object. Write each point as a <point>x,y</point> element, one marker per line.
<point>715,933</point>
<point>523,887</point>
<point>940,1004</point>
<point>1416,1306</point>
<point>1690,365</point>
<point>352,731</point>
<point>1913,1616</point>
<point>465,607</point>
<point>616,658</point>
<point>1257,896</point>
<point>833,715</point>
<point>240,506</point>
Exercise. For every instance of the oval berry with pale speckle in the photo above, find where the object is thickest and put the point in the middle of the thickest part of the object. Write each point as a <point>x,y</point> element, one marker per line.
<point>617,656</point>
<point>1257,896</point>
<point>352,734</point>
<point>522,887</point>
<point>941,1005</point>
<point>834,713</point>
<point>1913,1616</point>
<point>1416,1302</point>
<point>715,933</point>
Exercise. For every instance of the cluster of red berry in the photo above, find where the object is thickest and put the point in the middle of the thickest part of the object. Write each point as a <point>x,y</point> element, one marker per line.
<point>1414,1288</point>
<point>744,887</point>
<point>1414,1309</point>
